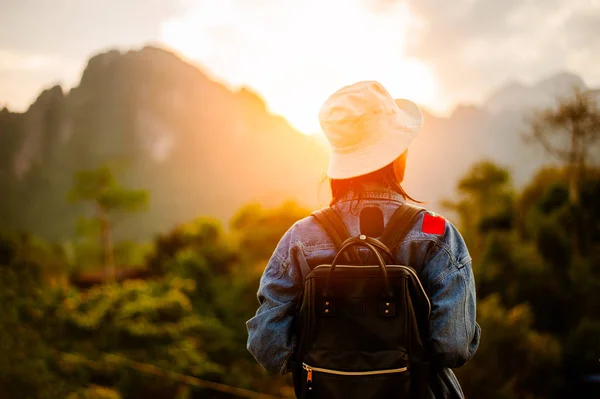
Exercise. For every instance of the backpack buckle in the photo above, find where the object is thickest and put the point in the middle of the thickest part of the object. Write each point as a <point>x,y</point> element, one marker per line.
<point>388,308</point>
<point>328,308</point>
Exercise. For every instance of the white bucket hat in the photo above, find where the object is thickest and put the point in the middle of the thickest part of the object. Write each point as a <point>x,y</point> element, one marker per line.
<point>366,128</point>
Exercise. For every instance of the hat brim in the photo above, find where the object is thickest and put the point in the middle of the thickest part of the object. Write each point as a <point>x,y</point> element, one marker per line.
<point>392,143</point>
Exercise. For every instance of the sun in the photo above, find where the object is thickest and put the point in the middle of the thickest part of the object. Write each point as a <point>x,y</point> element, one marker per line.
<point>295,69</point>
<point>414,81</point>
<point>409,78</point>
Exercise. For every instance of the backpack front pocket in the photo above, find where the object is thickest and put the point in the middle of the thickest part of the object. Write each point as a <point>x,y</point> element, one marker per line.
<point>374,384</point>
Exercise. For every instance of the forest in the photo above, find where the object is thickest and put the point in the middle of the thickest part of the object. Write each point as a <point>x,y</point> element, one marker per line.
<point>99,317</point>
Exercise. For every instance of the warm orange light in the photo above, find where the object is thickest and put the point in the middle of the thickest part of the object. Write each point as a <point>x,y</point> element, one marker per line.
<point>295,54</point>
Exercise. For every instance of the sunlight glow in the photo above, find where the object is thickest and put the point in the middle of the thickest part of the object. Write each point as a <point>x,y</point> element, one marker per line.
<point>294,54</point>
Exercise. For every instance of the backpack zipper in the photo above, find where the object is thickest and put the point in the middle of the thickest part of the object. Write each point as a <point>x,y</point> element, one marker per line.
<point>310,369</point>
<point>309,373</point>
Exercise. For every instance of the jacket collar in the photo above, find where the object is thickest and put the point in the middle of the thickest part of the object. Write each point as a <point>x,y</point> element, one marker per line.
<point>372,191</point>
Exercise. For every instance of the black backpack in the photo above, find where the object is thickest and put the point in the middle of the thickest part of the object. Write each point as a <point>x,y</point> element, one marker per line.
<point>360,323</point>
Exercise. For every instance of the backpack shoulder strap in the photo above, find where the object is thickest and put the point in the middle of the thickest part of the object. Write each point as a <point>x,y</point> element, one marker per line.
<point>400,224</point>
<point>337,231</point>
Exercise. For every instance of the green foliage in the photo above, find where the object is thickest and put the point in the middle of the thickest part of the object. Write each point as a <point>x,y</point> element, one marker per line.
<point>149,322</point>
<point>485,203</point>
<point>27,369</point>
<point>227,269</point>
<point>95,392</point>
<point>202,238</point>
<point>513,360</point>
<point>569,131</point>
<point>134,253</point>
<point>582,345</point>
<point>100,187</point>
<point>505,263</point>
<point>259,229</point>
<point>538,303</point>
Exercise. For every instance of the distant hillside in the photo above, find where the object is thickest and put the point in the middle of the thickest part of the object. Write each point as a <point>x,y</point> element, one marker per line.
<point>202,149</point>
<point>449,146</point>
<point>516,96</point>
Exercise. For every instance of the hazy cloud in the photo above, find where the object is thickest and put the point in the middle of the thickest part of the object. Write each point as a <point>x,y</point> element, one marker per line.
<point>24,75</point>
<point>43,43</point>
<point>476,44</point>
<point>296,52</point>
<point>75,27</point>
<point>10,61</point>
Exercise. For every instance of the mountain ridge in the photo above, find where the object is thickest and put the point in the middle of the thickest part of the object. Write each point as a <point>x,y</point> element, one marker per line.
<point>201,148</point>
<point>178,133</point>
<point>541,93</point>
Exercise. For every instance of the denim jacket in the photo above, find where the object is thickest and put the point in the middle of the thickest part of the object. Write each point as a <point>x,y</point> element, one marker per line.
<point>446,276</point>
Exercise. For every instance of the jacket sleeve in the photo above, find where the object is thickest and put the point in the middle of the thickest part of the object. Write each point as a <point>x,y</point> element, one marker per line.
<point>453,332</point>
<point>271,339</point>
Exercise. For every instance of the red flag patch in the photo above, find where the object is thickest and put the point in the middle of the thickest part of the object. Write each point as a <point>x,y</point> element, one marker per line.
<point>433,224</point>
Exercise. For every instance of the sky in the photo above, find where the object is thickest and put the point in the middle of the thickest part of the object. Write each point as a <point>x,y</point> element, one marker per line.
<point>295,53</point>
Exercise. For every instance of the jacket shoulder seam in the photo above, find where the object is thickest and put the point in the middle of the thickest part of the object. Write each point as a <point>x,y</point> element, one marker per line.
<point>443,246</point>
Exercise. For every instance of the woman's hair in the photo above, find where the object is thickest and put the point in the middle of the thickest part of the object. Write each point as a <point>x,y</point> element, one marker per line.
<point>386,176</point>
